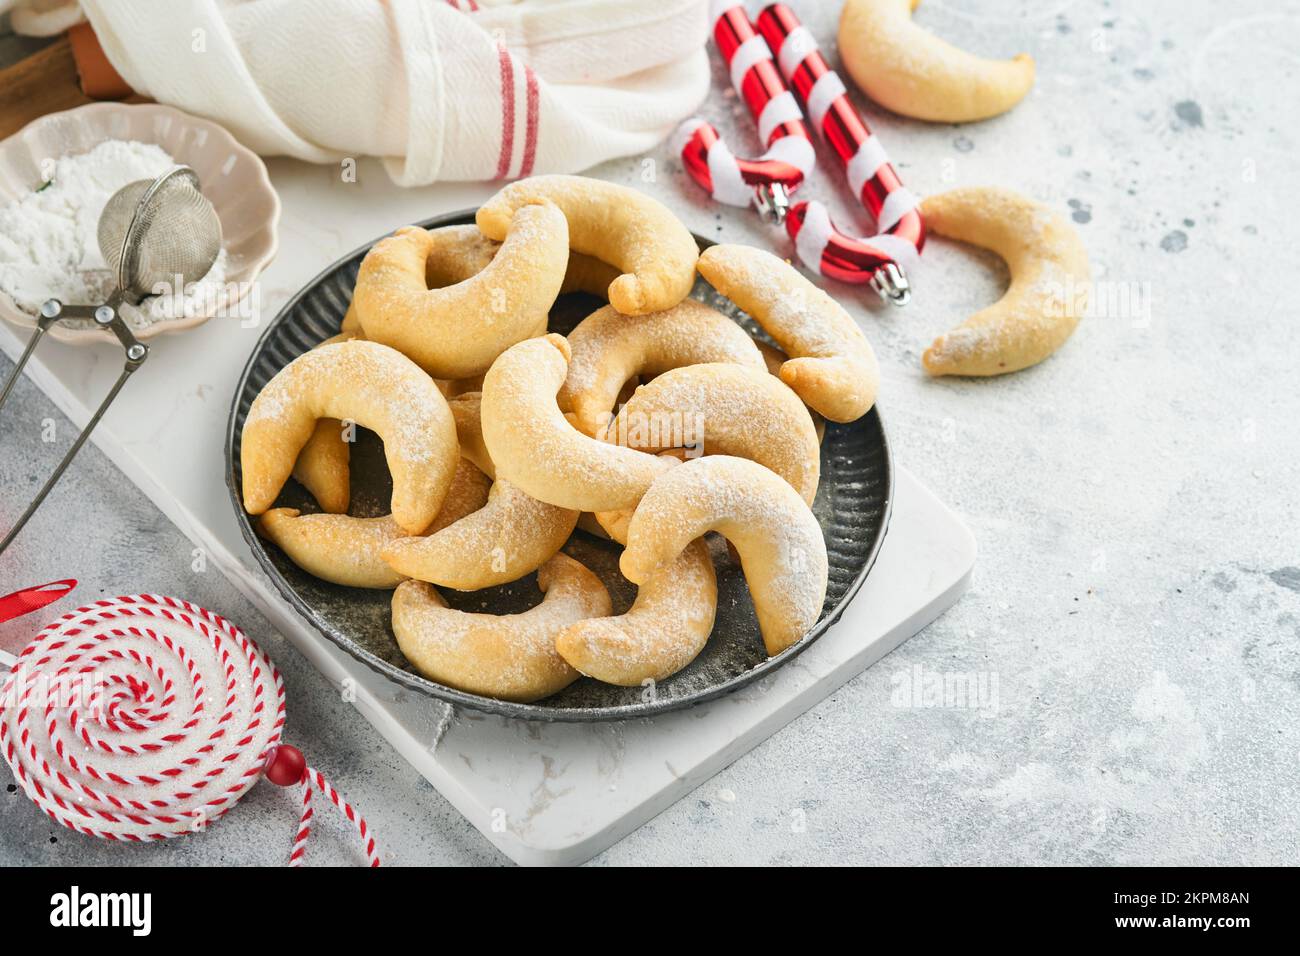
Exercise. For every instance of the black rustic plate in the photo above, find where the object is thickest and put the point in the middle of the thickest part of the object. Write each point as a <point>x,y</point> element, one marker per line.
<point>852,505</point>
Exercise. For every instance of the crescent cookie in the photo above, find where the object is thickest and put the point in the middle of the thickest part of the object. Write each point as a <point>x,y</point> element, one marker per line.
<point>456,253</point>
<point>618,225</point>
<point>322,465</point>
<point>730,410</point>
<point>781,548</point>
<point>510,536</point>
<point>534,447</point>
<point>465,409</point>
<point>664,630</point>
<point>588,274</point>
<point>832,367</point>
<point>1048,294</point>
<point>351,325</point>
<point>347,550</point>
<point>909,70</point>
<point>509,657</point>
<point>774,358</point>
<point>378,388</point>
<point>456,331</point>
<point>609,348</point>
<point>613,524</point>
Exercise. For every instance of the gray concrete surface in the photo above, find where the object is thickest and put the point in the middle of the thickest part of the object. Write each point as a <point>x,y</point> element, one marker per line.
<point>1135,619</point>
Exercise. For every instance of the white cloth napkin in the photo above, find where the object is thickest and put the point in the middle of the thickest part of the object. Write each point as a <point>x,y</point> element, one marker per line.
<point>442,89</point>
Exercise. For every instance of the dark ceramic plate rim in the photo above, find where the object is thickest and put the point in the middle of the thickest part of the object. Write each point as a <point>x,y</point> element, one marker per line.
<point>492,705</point>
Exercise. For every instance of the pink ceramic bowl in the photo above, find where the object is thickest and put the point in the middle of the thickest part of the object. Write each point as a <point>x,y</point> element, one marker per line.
<point>233,178</point>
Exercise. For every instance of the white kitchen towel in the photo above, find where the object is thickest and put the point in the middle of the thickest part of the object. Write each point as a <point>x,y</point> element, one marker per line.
<point>442,89</point>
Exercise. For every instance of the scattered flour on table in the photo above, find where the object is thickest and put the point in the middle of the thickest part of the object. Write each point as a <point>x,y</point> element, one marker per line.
<point>48,244</point>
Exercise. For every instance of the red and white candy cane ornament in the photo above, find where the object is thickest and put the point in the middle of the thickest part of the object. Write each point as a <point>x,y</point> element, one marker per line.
<point>767,181</point>
<point>882,259</point>
<point>146,717</point>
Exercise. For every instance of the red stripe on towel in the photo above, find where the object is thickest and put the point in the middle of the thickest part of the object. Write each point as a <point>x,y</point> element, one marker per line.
<point>530,130</point>
<point>507,111</point>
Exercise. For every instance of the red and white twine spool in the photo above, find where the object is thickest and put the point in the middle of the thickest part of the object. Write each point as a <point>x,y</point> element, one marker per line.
<point>872,178</point>
<point>790,156</point>
<point>146,717</point>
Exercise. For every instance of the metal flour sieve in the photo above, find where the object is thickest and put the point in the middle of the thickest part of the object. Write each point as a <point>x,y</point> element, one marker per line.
<point>159,234</point>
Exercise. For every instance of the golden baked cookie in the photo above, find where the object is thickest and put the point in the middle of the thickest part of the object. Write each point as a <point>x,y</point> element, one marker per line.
<point>322,465</point>
<point>909,70</point>
<point>588,274</point>
<point>374,386</point>
<point>535,448</point>
<point>461,386</point>
<point>609,348</point>
<point>1050,281</point>
<point>723,409</point>
<point>465,409</point>
<point>456,253</point>
<point>509,657</point>
<point>351,324</point>
<point>774,358</point>
<point>832,367</point>
<point>347,550</point>
<point>588,522</point>
<point>456,331</point>
<point>780,544</point>
<point>618,225</point>
<point>664,630</point>
<point>512,535</point>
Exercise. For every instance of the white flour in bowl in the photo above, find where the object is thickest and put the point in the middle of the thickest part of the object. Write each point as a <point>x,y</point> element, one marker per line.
<point>48,246</point>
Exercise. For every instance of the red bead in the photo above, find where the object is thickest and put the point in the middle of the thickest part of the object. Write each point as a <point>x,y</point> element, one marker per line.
<point>285,765</point>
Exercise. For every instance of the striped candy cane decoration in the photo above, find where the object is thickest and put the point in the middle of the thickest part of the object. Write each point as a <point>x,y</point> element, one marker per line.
<point>768,180</point>
<point>146,717</point>
<point>882,259</point>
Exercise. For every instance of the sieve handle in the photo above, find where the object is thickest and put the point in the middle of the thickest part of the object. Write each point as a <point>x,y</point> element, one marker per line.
<point>42,324</point>
<point>107,316</point>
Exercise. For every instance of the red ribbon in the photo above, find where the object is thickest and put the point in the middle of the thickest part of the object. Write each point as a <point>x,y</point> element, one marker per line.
<point>33,598</point>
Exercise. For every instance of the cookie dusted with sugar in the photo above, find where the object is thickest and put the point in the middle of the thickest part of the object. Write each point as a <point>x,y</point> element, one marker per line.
<point>736,410</point>
<point>322,465</point>
<point>774,358</point>
<point>1050,281</point>
<point>664,630</point>
<point>510,656</point>
<point>456,253</point>
<point>831,365</point>
<point>510,536</point>
<point>615,224</point>
<point>535,447</point>
<point>781,548</point>
<point>609,348</point>
<point>378,388</point>
<point>347,550</point>
<point>455,331</point>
